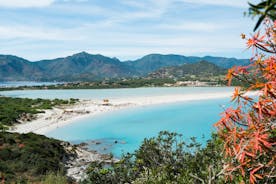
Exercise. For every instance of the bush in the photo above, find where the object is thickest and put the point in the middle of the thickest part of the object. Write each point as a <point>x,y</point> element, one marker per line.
<point>164,159</point>
<point>12,109</point>
<point>53,178</point>
<point>29,157</point>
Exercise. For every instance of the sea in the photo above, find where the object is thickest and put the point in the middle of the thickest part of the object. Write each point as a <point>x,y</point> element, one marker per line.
<point>122,131</point>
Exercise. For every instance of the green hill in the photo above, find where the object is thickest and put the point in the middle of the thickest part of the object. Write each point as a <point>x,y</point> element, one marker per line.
<point>29,157</point>
<point>87,67</point>
<point>202,69</point>
<point>153,62</point>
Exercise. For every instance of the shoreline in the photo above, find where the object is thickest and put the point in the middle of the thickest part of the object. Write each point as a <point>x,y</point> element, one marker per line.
<point>64,115</point>
<point>67,114</point>
<point>16,88</point>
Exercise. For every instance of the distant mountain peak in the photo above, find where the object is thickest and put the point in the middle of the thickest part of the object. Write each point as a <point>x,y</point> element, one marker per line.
<point>86,66</point>
<point>81,54</point>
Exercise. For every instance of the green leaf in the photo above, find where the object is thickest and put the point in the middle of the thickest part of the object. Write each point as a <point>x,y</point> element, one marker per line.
<point>271,7</point>
<point>262,4</point>
<point>254,6</point>
<point>259,22</point>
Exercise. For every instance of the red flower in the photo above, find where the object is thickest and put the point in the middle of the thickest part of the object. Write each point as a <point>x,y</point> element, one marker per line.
<point>255,40</point>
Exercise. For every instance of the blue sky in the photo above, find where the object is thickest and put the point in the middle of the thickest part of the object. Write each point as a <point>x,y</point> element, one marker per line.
<point>126,29</point>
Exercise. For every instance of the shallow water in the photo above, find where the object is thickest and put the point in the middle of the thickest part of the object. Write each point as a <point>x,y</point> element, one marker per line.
<point>113,93</point>
<point>129,127</point>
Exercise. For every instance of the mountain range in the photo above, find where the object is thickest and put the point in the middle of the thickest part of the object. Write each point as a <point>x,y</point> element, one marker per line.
<point>201,69</point>
<point>87,67</point>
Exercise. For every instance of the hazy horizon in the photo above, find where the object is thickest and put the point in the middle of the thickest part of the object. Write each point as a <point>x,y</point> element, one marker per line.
<point>139,57</point>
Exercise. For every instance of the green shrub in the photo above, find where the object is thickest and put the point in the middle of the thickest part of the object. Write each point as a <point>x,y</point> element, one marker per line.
<point>28,157</point>
<point>164,159</point>
<point>12,109</point>
<point>52,178</point>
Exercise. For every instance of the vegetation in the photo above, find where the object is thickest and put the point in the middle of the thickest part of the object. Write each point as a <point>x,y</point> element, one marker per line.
<point>150,81</point>
<point>29,157</point>
<point>26,158</point>
<point>208,74</point>
<point>106,84</point>
<point>202,70</point>
<point>248,130</point>
<point>164,159</point>
<point>245,149</point>
<point>265,9</point>
<point>13,109</point>
<point>53,178</point>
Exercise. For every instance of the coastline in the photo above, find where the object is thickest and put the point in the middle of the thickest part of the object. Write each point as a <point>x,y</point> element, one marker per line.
<point>64,115</point>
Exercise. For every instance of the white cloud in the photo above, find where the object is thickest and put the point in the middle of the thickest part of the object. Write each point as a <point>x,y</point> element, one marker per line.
<point>78,1</point>
<point>232,3</point>
<point>37,33</point>
<point>164,3</point>
<point>25,3</point>
<point>192,26</point>
<point>129,29</point>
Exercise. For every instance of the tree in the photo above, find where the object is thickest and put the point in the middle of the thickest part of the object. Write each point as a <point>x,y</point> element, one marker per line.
<point>249,129</point>
<point>263,9</point>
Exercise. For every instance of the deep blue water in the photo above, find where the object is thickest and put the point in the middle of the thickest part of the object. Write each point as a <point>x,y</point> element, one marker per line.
<point>130,127</point>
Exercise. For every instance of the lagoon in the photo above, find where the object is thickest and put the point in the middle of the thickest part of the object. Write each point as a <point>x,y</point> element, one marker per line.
<point>128,127</point>
<point>113,93</point>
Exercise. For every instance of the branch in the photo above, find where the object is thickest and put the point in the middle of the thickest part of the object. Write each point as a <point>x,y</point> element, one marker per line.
<point>196,177</point>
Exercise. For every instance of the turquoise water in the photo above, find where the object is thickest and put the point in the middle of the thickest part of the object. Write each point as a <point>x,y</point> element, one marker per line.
<point>130,127</point>
<point>112,93</point>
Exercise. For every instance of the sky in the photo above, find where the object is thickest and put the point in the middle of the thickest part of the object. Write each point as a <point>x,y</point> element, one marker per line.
<point>126,29</point>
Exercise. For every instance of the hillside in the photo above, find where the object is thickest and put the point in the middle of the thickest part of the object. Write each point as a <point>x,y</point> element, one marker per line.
<point>28,157</point>
<point>154,62</point>
<point>87,67</point>
<point>14,68</point>
<point>200,69</point>
<point>84,66</point>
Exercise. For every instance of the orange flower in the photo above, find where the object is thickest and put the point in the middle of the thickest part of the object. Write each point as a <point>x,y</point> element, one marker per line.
<point>230,74</point>
<point>255,40</point>
<point>236,94</point>
<point>246,130</point>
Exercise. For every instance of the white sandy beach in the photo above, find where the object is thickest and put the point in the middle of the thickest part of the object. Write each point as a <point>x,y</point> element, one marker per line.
<point>63,115</point>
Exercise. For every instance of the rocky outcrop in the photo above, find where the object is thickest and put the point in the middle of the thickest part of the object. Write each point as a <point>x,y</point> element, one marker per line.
<point>80,159</point>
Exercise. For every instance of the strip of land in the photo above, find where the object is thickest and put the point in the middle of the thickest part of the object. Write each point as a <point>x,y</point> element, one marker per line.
<point>66,114</point>
<point>62,115</point>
